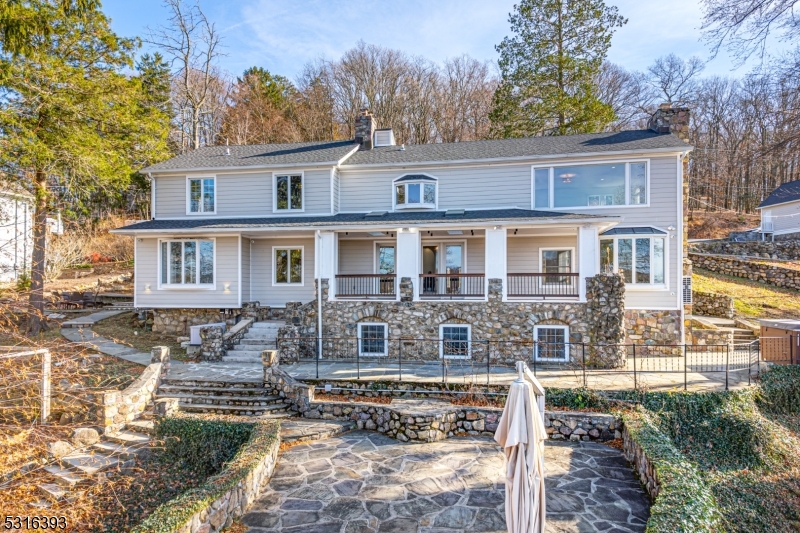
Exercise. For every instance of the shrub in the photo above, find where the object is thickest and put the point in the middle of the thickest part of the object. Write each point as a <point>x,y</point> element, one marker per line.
<point>575,399</point>
<point>780,390</point>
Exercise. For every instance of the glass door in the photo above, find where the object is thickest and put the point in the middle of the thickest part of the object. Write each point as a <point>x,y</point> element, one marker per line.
<point>386,265</point>
<point>453,264</point>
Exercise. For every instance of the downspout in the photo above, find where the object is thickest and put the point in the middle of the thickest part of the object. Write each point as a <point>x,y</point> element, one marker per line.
<point>319,296</point>
<point>152,195</point>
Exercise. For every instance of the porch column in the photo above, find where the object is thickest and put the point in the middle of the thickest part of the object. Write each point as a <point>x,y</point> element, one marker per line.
<point>325,263</point>
<point>407,262</point>
<point>495,261</point>
<point>589,256</point>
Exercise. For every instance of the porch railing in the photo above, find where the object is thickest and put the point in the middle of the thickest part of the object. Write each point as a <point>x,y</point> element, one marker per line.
<point>365,286</point>
<point>452,286</point>
<point>562,285</point>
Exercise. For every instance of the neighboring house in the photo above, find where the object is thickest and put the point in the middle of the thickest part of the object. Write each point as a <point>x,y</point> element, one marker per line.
<point>16,237</point>
<point>472,240</point>
<point>780,213</point>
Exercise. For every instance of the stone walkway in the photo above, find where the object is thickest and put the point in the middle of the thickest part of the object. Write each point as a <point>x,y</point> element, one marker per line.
<point>89,320</point>
<point>95,342</point>
<point>364,482</point>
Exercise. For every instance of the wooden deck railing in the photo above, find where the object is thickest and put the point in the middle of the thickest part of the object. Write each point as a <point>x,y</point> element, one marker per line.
<point>449,286</point>
<point>563,285</point>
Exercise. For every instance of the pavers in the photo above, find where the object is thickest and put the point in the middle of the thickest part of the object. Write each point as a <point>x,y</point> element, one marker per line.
<point>368,483</point>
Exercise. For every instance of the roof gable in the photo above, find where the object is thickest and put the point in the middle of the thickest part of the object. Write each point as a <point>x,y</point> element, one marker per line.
<point>788,192</point>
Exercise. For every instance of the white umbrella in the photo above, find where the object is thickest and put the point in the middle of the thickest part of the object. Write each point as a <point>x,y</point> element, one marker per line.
<point>521,434</point>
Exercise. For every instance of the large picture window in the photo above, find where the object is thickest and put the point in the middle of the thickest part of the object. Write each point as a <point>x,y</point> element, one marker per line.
<point>415,191</point>
<point>201,195</point>
<point>596,185</point>
<point>187,263</point>
<point>372,339</point>
<point>289,193</point>
<point>640,259</point>
<point>288,266</point>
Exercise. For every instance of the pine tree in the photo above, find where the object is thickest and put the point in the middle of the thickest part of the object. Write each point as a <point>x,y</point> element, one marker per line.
<point>548,67</point>
<point>69,111</point>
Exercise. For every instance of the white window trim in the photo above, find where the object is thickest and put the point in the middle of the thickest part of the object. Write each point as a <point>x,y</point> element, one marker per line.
<point>275,176</point>
<point>435,183</point>
<point>385,339</point>
<point>551,192</point>
<point>570,249</point>
<point>189,211</point>
<point>437,241</point>
<point>275,282</point>
<point>441,341</point>
<point>187,286</point>
<point>536,329</point>
<point>633,286</point>
<point>376,245</point>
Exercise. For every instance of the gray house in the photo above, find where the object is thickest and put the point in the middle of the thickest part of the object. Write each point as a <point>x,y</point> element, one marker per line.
<point>499,239</point>
<point>780,213</point>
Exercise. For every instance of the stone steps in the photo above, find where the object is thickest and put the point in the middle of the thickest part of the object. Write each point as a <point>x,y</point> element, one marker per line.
<point>269,411</point>
<point>199,391</point>
<point>242,359</point>
<point>230,386</point>
<point>262,343</point>
<point>65,478</point>
<point>88,464</point>
<point>225,400</point>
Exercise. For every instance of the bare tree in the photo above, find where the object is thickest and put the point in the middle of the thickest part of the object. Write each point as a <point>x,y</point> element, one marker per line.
<point>466,88</point>
<point>674,79</point>
<point>193,45</point>
<point>629,95</point>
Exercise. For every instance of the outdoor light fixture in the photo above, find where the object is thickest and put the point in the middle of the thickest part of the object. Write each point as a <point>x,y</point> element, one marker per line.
<point>227,287</point>
<point>147,286</point>
<point>455,232</point>
<point>671,228</point>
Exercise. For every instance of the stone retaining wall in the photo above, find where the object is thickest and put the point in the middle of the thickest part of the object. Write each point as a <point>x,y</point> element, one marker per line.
<point>771,274</point>
<point>215,341</point>
<point>641,464</point>
<point>786,250</point>
<point>178,321</point>
<point>653,327</point>
<point>700,334</point>
<point>121,407</point>
<point>712,304</point>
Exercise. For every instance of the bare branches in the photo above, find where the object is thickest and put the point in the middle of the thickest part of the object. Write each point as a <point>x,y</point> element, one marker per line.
<point>674,79</point>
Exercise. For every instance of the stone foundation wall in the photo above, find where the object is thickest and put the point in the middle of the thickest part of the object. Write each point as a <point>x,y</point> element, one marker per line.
<point>711,304</point>
<point>698,335</point>
<point>787,250</point>
<point>653,327</point>
<point>769,273</point>
<point>178,321</point>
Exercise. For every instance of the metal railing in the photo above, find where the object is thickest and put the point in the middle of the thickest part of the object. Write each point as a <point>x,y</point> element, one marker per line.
<point>539,285</point>
<point>625,366</point>
<point>366,285</point>
<point>451,286</point>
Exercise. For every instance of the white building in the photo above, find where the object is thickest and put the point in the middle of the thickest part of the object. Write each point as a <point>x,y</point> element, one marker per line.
<point>16,235</point>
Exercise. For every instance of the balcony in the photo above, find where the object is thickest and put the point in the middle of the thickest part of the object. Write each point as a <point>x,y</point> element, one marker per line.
<point>562,285</point>
<point>381,286</point>
<point>451,286</point>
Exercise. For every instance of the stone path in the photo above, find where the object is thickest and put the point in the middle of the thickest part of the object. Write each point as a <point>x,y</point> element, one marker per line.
<point>364,482</point>
<point>89,320</point>
<point>91,340</point>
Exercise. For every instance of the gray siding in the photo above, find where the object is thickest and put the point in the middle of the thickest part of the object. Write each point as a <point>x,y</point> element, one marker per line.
<point>227,272</point>
<point>245,269</point>
<point>246,194</point>
<point>356,256</point>
<point>262,289</point>
<point>336,188</point>
<point>523,252</point>
<point>785,217</point>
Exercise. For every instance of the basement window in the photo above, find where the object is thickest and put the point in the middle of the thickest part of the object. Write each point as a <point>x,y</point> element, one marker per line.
<point>372,339</point>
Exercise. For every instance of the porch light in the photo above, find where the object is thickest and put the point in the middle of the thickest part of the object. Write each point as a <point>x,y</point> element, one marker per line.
<point>227,287</point>
<point>376,233</point>
<point>147,287</point>
<point>455,232</point>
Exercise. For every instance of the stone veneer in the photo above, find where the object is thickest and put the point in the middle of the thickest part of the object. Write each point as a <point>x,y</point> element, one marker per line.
<point>712,304</point>
<point>752,269</point>
<point>653,327</point>
<point>786,250</point>
<point>178,321</point>
<point>215,342</point>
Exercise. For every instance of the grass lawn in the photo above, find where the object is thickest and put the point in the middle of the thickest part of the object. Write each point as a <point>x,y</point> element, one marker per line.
<point>751,298</point>
<point>119,329</point>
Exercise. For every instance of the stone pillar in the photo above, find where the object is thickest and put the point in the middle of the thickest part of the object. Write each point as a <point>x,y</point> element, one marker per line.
<point>163,407</point>
<point>605,310</point>
<point>495,287</point>
<point>160,354</point>
<point>588,256</point>
<point>496,254</point>
<point>407,260</point>
<point>406,290</point>
<point>211,347</point>
<point>250,310</point>
<point>325,259</point>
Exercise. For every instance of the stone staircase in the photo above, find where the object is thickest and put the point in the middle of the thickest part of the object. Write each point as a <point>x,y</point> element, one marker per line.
<point>112,453</point>
<point>742,336</point>
<point>244,398</point>
<point>261,336</point>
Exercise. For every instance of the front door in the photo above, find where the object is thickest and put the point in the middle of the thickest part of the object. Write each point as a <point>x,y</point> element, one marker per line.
<point>386,265</point>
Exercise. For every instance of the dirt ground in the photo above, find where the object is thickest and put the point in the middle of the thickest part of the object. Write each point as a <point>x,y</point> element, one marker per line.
<point>718,224</point>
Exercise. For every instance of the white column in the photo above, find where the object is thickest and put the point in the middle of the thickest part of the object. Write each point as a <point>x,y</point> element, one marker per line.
<point>325,261</point>
<point>589,256</point>
<point>496,255</point>
<point>407,261</point>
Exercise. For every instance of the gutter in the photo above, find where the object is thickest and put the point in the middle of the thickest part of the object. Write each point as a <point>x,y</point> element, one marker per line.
<point>152,181</point>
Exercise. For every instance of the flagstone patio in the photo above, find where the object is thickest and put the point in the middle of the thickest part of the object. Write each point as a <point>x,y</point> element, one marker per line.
<point>364,482</point>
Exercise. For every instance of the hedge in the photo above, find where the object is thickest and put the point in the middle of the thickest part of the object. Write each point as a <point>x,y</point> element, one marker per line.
<point>200,441</point>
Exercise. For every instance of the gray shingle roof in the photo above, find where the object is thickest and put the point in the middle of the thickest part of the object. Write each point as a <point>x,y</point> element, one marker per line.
<point>529,146</point>
<point>209,157</point>
<point>788,192</point>
<point>356,219</point>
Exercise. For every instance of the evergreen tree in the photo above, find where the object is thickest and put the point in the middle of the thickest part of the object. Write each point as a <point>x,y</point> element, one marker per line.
<point>274,88</point>
<point>69,111</point>
<point>548,67</point>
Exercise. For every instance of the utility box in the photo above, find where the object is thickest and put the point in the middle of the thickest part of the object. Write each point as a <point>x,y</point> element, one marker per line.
<point>780,341</point>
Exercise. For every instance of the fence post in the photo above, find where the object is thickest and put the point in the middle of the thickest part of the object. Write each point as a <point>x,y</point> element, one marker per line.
<point>727,360</point>
<point>635,385</point>
<point>791,349</point>
<point>400,359</point>
<point>685,365</point>
<point>441,351</point>
<point>358,362</point>
<point>45,414</point>
<point>488,362</point>
<point>535,350</point>
<point>319,340</point>
<point>583,362</point>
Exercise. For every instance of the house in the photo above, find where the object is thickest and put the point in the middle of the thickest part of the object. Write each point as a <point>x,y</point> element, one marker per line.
<point>780,213</point>
<point>497,239</point>
<point>16,238</point>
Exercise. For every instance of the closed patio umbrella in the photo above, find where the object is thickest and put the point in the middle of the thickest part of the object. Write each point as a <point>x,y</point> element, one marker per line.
<point>521,434</point>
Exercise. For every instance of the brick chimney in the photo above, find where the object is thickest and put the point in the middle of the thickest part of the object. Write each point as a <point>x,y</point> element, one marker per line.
<point>365,129</point>
<point>668,119</point>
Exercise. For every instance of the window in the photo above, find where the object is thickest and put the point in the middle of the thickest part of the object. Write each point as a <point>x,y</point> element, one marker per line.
<point>202,197</point>
<point>455,341</point>
<point>640,260</point>
<point>556,262</point>
<point>288,266</point>
<point>415,191</point>
<point>372,339</point>
<point>385,259</point>
<point>187,263</point>
<point>551,343</point>
<point>289,193</point>
<point>600,185</point>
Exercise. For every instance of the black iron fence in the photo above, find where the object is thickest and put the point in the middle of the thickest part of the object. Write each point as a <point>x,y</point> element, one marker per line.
<point>575,364</point>
<point>365,285</point>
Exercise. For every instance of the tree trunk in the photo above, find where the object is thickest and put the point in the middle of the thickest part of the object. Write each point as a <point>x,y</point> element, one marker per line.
<point>36,320</point>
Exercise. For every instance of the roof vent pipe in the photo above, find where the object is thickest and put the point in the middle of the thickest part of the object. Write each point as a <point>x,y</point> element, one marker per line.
<point>227,151</point>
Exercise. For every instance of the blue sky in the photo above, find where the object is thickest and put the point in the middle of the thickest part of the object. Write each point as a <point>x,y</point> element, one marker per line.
<point>283,36</point>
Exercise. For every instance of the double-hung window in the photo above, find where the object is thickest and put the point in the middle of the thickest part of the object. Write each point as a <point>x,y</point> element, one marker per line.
<point>639,257</point>
<point>455,341</point>
<point>594,185</point>
<point>415,191</point>
<point>551,343</point>
<point>288,266</point>
<point>289,192</point>
<point>201,195</point>
<point>186,263</point>
<point>372,339</point>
